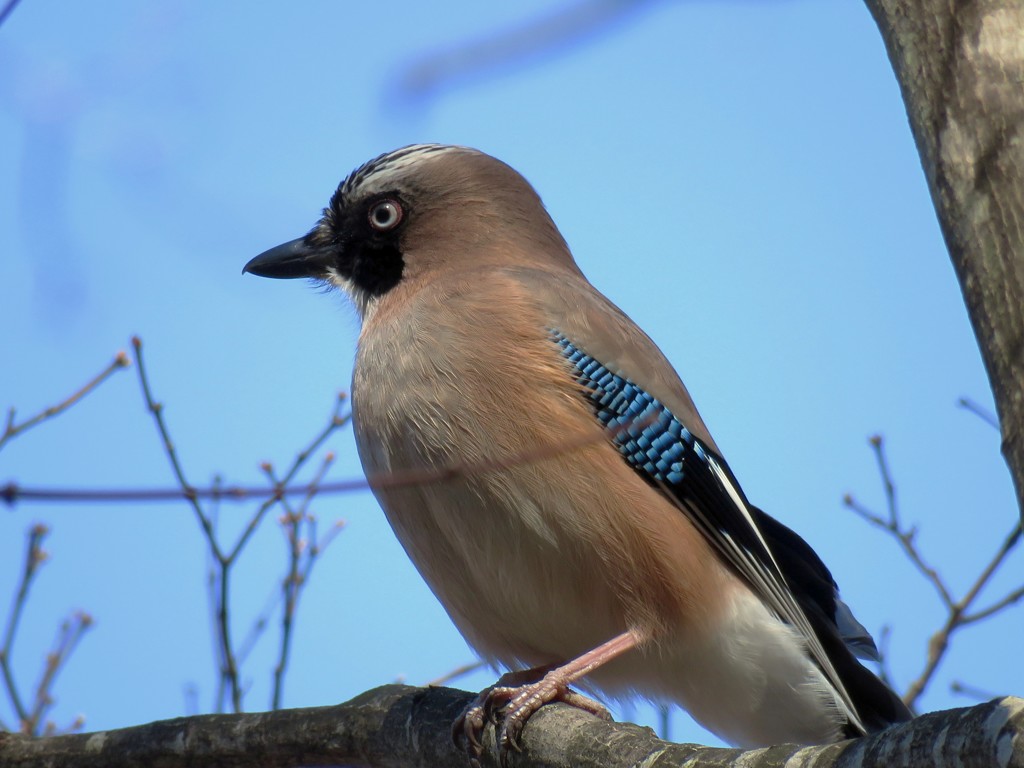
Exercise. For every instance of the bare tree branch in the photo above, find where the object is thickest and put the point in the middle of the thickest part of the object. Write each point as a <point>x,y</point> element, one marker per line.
<point>891,523</point>
<point>957,618</point>
<point>455,674</point>
<point>397,725</point>
<point>958,612</point>
<point>981,412</point>
<point>224,559</point>
<point>34,557</point>
<point>883,643</point>
<point>7,9</point>
<point>221,590</point>
<point>157,409</point>
<point>336,421</point>
<point>970,691</point>
<point>1011,540</point>
<point>70,633</point>
<point>302,553</point>
<point>548,34</point>
<point>12,430</point>
<point>1005,602</point>
<point>32,720</point>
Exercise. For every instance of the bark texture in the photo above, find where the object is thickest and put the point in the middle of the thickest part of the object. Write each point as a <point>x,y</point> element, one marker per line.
<point>397,725</point>
<point>960,66</point>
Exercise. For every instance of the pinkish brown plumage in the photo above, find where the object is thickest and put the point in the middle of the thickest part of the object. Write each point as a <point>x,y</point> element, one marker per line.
<point>633,559</point>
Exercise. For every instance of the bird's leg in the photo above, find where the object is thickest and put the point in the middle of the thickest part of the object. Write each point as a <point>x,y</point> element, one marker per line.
<point>519,694</point>
<point>522,702</point>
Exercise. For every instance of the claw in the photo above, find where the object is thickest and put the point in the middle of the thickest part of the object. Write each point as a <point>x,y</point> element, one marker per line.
<point>517,695</point>
<point>469,726</point>
<point>527,699</point>
<point>509,704</point>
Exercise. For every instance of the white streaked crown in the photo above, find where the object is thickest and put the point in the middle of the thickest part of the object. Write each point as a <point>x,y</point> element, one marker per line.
<point>380,174</point>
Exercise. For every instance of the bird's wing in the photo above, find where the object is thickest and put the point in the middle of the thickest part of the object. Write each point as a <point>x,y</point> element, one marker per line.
<point>652,422</point>
<point>813,584</point>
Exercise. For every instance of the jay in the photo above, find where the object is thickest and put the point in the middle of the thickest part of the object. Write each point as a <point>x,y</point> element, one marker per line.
<point>582,525</point>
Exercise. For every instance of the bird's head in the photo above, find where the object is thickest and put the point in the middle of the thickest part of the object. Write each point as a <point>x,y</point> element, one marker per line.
<point>414,213</point>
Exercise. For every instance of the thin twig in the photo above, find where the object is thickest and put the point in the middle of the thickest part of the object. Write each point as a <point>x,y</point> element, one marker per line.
<point>906,541</point>
<point>220,579</point>
<point>981,412</point>
<point>213,566</point>
<point>887,484</point>
<point>220,560</point>
<point>971,691</point>
<point>336,421</point>
<point>891,524</point>
<point>259,625</point>
<point>938,644</point>
<point>68,637</point>
<point>35,555</point>
<point>190,694</point>
<point>187,491</point>
<point>545,35</point>
<point>455,674</point>
<point>275,597</point>
<point>12,430</point>
<point>31,721</point>
<point>664,722</point>
<point>957,611</point>
<point>228,667</point>
<point>957,618</point>
<point>1011,540</point>
<point>7,10</point>
<point>321,544</point>
<point>884,643</point>
<point>74,726</point>
<point>291,586</point>
<point>1005,602</point>
<point>231,660</point>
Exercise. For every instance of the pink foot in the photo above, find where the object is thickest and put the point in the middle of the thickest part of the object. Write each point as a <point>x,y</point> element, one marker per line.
<point>513,701</point>
<point>517,695</point>
<point>469,726</point>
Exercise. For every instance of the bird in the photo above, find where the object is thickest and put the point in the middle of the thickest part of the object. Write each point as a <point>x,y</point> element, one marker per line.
<point>548,474</point>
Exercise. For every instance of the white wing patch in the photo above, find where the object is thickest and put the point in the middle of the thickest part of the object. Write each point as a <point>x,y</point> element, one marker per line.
<point>735,496</point>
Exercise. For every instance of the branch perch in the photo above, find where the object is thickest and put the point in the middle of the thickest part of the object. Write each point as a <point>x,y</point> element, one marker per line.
<point>397,725</point>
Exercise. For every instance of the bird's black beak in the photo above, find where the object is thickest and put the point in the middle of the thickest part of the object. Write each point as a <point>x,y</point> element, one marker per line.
<point>295,258</point>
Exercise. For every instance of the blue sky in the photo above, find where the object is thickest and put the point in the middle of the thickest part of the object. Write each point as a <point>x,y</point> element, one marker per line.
<point>738,177</point>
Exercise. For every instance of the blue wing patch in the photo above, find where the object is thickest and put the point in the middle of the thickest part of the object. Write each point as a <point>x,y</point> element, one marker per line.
<point>649,437</point>
<point>667,455</point>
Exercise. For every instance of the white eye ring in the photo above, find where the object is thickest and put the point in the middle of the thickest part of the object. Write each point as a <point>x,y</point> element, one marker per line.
<point>385,215</point>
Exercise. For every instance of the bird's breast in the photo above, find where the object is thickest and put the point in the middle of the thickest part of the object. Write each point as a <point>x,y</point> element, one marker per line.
<point>503,488</point>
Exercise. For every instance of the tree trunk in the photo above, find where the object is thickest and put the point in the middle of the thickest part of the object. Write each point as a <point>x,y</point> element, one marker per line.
<point>960,66</point>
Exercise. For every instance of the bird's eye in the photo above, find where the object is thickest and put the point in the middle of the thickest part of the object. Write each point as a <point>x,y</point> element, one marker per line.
<point>385,215</point>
